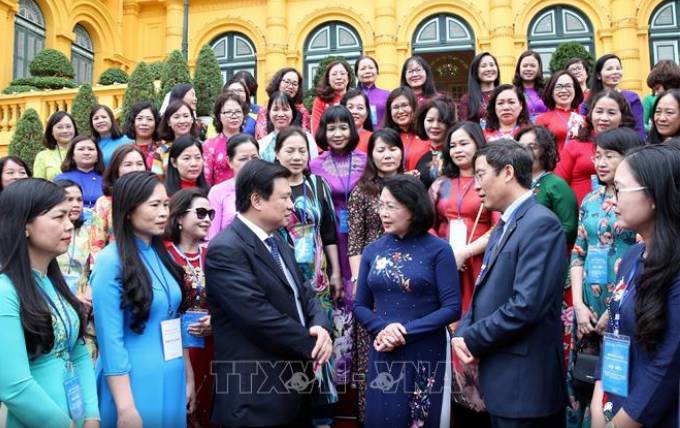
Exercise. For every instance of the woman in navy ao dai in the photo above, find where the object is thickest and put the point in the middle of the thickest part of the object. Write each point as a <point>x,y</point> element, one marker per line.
<point>407,295</point>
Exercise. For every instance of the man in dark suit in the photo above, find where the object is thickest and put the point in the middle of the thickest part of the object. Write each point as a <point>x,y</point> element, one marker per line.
<point>268,325</point>
<point>513,329</point>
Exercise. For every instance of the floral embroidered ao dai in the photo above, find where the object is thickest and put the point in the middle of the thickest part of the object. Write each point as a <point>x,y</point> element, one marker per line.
<point>412,281</point>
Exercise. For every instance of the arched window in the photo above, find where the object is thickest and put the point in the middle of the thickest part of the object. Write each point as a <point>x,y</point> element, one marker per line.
<point>557,25</point>
<point>447,43</point>
<point>82,55</point>
<point>330,39</point>
<point>29,36</point>
<point>664,32</point>
<point>235,52</point>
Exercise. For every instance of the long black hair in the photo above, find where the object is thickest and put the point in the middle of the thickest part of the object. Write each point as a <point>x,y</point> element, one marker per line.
<point>20,204</point>
<point>449,168</point>
<point>539,82</point>
<point>474,87</point>
<point>368,181</point>
<point>116,133</point>
<point>585,133</point>
<point>173,181</point>
<point>657,168</point>
<point>179,204</point>
<point>129,192</point>
<point>429,88</point>
<point>596,85</point>
<point>130,131</point>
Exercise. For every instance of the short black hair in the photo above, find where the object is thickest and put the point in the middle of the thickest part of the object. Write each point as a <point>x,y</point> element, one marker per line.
<point>547,142</point>
<point>619,140</point>
<point>49,141</point>
<point>17,160</point>
<point>65,183</point>
<point>408,93</point>
<point>444,106</point>
<point>179,204</point>
<point>134,112</point>
<point>283,98</point>
<point>69,163</point>
<point>506,151</point>
<point>333,114</point>
<point>353,93</point>
<point>219,103</point>
<point>257,176</point>
<point>411,192</point>
<point>492,121</point>
<point>173,181</point>
<point>548,96</point>
<point>238,140</point>
<point>275,84</point>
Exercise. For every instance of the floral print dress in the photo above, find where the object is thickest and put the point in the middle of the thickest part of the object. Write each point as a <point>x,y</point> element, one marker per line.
<point>598,227</point>
<point>412,281</point>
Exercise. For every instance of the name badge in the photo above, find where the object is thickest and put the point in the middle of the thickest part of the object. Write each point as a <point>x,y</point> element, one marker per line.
<point>457,233</point>
<point>87,216</point>
<point>304,249</point>
<point>374,115</point>
<point>594,183</point>
<point>171,332</point>
<point>188,339</point>
<point>344,228</point>
<point>597,265</point>
<point>616,361</point>
<point>72,281</point>
<point>74,397</point>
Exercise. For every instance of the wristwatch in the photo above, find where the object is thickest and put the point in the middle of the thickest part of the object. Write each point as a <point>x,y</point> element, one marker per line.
<point>610,424</point>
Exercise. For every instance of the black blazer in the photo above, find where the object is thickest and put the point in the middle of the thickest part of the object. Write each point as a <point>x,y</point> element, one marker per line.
<point>514,324</point>
<point>259,341</point>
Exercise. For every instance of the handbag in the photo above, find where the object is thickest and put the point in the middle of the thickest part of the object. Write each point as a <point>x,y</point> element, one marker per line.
<point>587,357</point>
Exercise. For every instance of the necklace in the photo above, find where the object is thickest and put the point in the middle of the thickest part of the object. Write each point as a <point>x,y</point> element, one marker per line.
<point>180,251</point>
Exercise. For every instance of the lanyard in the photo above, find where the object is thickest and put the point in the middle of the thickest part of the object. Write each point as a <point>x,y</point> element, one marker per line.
<point>566,124</point>
<point>535,182</point>
<point>198,279</point>
<point>94,183</point>
<point>59,152</point>
<point>345,187</point>
<point>627,291</point>
<point>500,134</point>
<point>162,281</point>
<point>71,255</point>
<point>600,213</point>
<point>531,101</point>
<point>68,328</point>
<point>461,197</point>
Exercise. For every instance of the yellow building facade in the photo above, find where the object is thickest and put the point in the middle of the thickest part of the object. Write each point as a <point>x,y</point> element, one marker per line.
<point>265,35</point>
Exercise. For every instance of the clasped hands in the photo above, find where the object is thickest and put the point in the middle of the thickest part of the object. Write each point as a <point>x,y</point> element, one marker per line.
<point>390,337</point>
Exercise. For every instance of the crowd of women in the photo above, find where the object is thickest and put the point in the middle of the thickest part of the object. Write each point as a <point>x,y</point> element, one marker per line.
<point>68,298</point>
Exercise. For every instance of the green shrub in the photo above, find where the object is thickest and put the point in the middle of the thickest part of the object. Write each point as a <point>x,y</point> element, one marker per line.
<point>19,89</point>
<point>156,69</point>
<point>28,137</point>
<point>311,94</point>
<point>207,81</point>
<point>82,106</point>
<point>44,82</point>
<point>112,76</point>
<point>175,72</point>
<point>567,51</point>
<point>140,88</point>
<point>51,63</point>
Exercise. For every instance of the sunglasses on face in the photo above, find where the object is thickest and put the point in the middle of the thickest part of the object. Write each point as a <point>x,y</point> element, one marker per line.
<point>202,212</point>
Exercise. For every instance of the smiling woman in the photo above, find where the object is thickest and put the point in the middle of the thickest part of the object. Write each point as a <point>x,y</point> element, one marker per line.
<point>185,167</point>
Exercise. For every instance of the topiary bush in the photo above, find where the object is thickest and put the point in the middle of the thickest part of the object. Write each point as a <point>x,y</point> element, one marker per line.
<point>51,63</point>
<point>28,137</point>
<point>156,69</point>
<point>19,90</point>
<point>112,76</point>
<point>82,106</point>
<point>140,88</point>
<point>311,94</point>
<point>567,51</point>
<point>44,82</point>
<point>207,81</point>
<point>175,71</point>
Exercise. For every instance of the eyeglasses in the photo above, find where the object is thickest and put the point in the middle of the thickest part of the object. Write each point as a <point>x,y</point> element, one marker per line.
<point>479,176</point>
<point>232,113</point>
<point>567,87</point>
<point>576,68</point>
<point>608,158</point>
<point>403,107</point>
<point>290,83</point>
<point>627,190</point>
<point>414,71</point>
<point>202,212</point>
<point>388,207</point>
<point>238,90</point>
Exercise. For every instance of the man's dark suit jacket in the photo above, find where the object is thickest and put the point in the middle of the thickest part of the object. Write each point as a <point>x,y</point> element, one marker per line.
<point>514,323</point>
<point>259,341</point>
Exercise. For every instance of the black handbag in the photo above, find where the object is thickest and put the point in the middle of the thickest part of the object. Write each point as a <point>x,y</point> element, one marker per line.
<point>587,357</point>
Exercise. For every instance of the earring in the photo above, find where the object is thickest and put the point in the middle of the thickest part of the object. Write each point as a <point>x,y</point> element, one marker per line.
<point>180,227</point>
